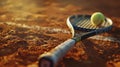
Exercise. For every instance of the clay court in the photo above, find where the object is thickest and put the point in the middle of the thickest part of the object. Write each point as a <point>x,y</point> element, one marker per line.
<point>30,28</point>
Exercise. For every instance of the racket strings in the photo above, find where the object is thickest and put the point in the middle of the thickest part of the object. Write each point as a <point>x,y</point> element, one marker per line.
<point>88,25</point>
<point>76,19</point>
<point>80,22</point>
<point>84,22</point>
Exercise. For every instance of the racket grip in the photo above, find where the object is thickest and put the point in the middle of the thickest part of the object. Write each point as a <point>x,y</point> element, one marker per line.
<point>51,58</point>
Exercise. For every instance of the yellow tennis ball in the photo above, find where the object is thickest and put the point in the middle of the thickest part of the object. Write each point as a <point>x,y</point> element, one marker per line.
<point>97,18</point>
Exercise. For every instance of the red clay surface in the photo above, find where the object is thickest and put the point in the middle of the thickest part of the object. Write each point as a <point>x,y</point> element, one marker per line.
<point>20,47</point>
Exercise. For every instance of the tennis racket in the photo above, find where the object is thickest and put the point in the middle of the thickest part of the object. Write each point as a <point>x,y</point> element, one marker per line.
<point>81,28</point>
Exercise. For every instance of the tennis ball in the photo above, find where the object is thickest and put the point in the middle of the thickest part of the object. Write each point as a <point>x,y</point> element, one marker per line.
<point>97,18</point>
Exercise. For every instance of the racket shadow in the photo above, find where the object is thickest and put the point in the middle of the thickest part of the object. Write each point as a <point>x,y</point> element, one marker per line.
<point>115,32</point>
<point>74,63</point>
<point>109,53</point>
<point>93,58</point>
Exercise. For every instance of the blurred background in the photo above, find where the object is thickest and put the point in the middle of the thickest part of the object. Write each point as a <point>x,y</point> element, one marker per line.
<point>53,13</point>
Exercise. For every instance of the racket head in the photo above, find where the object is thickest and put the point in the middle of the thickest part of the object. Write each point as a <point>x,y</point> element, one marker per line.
<point>83,23</point>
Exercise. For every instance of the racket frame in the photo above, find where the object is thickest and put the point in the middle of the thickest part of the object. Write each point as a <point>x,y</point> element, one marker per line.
<point>58,52</point>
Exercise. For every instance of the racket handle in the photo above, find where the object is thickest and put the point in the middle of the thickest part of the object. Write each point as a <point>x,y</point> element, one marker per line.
<point>51,58</point>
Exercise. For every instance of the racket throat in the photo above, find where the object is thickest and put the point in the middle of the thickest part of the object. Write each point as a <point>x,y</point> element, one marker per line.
<point>77,39</point>
<point>84,36</point>
<point>80,38</point>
